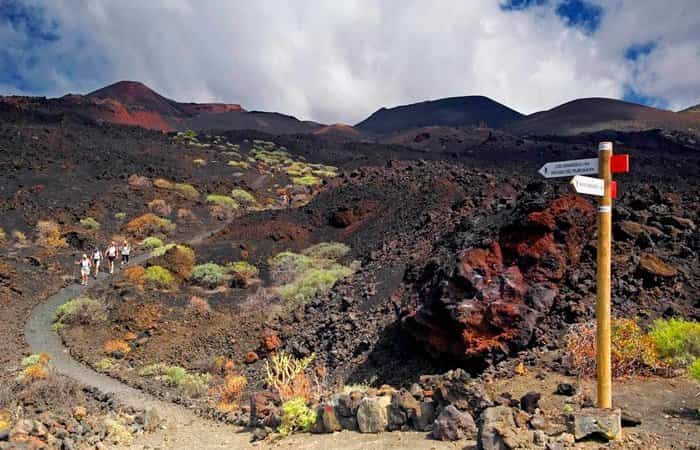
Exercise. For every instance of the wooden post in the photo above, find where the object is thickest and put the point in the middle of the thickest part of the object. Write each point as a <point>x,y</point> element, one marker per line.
<point>603,365</point>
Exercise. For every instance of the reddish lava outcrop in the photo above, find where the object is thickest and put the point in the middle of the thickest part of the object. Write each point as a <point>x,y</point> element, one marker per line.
<point>488,300</point>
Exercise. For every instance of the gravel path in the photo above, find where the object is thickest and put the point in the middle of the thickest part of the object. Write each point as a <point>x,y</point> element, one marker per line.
<point>182,428</point>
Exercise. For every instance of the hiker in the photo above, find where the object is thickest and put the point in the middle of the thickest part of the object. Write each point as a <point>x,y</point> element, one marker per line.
<point>125,251</point>
<point>96,260</point>
<point>84,269</point>
<point>111,253</point>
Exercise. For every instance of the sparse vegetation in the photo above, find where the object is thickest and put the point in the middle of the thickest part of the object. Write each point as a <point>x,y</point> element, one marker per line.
<point>199,162</point>
<point>208,274</point>
<point>36,358</point>
<point>296,416</point>
<point>315,271</point>
<point>677,340</point>
<point>49,234</point>
<point>222,200</point>
<point>120,215</point>
<point>135,275</point>
<point>20,237</point>
<point>192,384</point>
<point>160,206</point>
<point>116,347</point>
<point>286,374</point>
<point>90,223</point>
<point>159,277</point>
<point>152,243</point>
<point>186,190</point>
<point>239,164</point>
<point>104,364</point>
<point>178,259</point>
<point>230,392</point>
<point>242,196</point>
<point>3,236</point>
<point>327,250</point>
<point>307,180</point>
<point>200,305</point>
<point>117,432</point>
<point>149,224</point>
<point>243,269</point>
<point>633,351</point>
<point>80,310</point>
<point>694,370</point>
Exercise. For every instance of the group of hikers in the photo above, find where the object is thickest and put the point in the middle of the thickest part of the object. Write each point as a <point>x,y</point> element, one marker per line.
<point>112,252</point>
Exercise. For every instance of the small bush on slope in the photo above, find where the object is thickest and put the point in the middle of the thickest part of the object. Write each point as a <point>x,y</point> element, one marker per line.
<point>148,224</point>
<point>296,416</point>
<point>89,222</point>
<point>152,243</point>
<point>81,310</point>
<point>222,200</point>
<point>243,196</point>
<point>327,250</point>
<point>159,277</point>
<point>677,340</point>
<point>208,274</point>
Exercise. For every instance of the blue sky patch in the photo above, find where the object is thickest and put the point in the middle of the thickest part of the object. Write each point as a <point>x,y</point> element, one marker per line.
<point>581,14</point>
<point>517,5</point>
<point>634,52</point>
<point>634,96</point>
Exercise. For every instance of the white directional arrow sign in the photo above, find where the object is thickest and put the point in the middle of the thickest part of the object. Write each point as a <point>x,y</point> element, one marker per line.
<point>589,185</point>
<point>570,168</point>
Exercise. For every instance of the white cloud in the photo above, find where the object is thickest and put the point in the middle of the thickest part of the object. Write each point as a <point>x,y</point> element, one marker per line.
<point>339,61</point>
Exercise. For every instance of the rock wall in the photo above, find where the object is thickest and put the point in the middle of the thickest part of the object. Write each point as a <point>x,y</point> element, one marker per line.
<point>486,296</point>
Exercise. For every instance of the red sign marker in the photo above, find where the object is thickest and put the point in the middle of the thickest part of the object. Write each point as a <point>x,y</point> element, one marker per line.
<point>613,188</point>
<point>620,163</point>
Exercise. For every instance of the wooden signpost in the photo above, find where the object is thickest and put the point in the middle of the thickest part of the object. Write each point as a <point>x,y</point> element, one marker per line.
<point>605,188</point>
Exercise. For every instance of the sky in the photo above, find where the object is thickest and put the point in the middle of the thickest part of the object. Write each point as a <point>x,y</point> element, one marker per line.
<point>339,61</point>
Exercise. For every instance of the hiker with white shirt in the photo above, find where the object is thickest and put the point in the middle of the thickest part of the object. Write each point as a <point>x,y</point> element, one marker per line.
<point>125,251</point>
<point>96,260</point>
<point>84,269</point>
<point>111,253</point>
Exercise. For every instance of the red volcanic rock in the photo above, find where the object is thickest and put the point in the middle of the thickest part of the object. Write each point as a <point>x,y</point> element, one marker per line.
<point>251,357</point>
<point>489,298</point>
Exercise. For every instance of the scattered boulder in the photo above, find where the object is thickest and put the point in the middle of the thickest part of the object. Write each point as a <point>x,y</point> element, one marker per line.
<point>457,388</point>
<point>424,418</point>
<point>326,419</point>
<point>530,402</point>
<point>453,424</point>
<point>597,422</point>
<point>372,414</point>
<point>495,424</point>
<point>566,389</point>
<point>630,419</point>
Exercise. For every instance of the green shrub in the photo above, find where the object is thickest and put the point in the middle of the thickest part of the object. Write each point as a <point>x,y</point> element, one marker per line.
<point>81,310</point>
<point>90,223</point>
<point>3,236</point>
<point>313,282</point>
<point>296,416</point>
<point>152,243</point>
<point>120,215</point>
<point>34,359</point>
<point>677,340</point>
<point>291,261</point>
<point>208,274</point>
<point>243,196</point>
<point>174,375</point>
<point>104,364</point>
<point>327,250</point>
<point>160,251</point>
<point>186,190</point>
<point>159,277</point>
<point>199,162</point>
<point>694,370</point>
<point>308,180</point>
<point>243,269</point>
<point>152,370</point>
<point>239,164</point>
<point>192,384</point>
<point>223,201</point>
